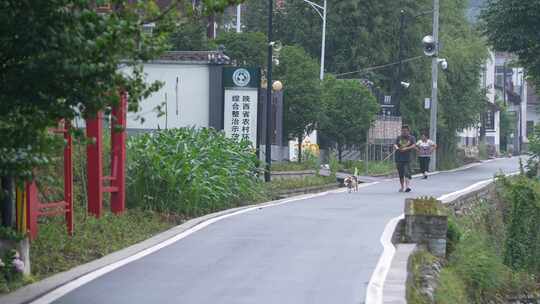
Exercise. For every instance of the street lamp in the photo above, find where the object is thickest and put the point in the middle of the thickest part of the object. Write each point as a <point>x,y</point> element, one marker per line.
<point>268,142</point>
<point>277,86</point>
<point>321,10</point>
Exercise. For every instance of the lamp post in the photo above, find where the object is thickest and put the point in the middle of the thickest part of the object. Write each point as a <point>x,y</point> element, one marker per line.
<point>321,10</point>
<point>268,141</point>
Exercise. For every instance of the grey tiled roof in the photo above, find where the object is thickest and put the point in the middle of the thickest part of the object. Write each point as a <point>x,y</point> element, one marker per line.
<point>200,57</point>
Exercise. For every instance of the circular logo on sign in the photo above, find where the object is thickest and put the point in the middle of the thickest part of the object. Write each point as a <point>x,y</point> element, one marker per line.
<point>241,77</point>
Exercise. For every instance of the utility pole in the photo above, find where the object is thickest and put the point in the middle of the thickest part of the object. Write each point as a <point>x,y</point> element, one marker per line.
<point>323,46</point>
<point>434,83</point>
<point>268,142</point>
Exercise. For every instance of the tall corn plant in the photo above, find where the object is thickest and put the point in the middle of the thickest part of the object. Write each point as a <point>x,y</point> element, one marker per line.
<point>190,172</point>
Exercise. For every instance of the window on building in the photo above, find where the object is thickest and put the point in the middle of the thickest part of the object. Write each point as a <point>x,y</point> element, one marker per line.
<point>490,120</point>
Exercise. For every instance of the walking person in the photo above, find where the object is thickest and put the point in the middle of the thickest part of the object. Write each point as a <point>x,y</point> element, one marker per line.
<point>405,144</point>
<point>425,148</point>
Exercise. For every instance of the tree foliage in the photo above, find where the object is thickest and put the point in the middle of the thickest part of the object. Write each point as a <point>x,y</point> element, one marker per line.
<point>64,63</point>
<point>364,34</point>
<point>512,26</point>
<point>348,111</point>
<point>62,58</point>
<point>522,243</point>
<point>302,92</point>
<point>246,48</point>
<point>190,35</point>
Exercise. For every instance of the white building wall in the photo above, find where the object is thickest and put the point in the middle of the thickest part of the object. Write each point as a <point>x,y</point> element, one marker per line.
<point>186,104</point>
<point>524,113</point>
<point>490,94</point>
<point>487,81</point>
<point>532,114</point>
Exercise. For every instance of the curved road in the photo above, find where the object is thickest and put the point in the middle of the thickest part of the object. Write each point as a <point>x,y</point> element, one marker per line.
<point>319,250</point>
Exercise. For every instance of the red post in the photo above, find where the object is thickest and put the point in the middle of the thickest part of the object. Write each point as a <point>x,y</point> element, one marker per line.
<point>94,163</point>
<point>32,207</point>
<point>68,177</point>
<point>118,155</point>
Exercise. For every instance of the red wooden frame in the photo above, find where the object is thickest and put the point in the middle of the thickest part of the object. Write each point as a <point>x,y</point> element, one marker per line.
<point>36,208</point>
<point>116,179</point>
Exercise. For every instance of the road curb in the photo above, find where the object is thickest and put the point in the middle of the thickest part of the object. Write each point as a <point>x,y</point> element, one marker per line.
<point>39,289</point>
<point>35,291</point>
<point>375,289</point>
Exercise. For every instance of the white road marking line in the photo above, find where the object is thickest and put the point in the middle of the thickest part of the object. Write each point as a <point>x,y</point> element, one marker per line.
<point>374,292</point>
<point>68,287</point>
<point>451,196</point>
<point>65,289</point>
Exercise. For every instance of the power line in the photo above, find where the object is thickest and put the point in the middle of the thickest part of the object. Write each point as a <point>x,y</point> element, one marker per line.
<point>377,67</point>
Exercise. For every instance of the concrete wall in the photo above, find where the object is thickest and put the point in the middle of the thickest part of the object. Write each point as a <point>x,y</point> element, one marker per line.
<point>187,104</point>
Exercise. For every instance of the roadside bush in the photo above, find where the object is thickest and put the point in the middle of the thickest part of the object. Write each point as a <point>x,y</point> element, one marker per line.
<point>335,166</point>
<point>453,236</point>
<point>451,289</point>
<point>55,251</point>
<point>374,167</point>
<point>483,150</point>
<point>522,246</point>
<point>477,243</point>
<point>190,172</point>
<point>480,268</point>
<point>290,166</point>
<point>297,183</point>
<point>11,271</point>
<point>310,161</point>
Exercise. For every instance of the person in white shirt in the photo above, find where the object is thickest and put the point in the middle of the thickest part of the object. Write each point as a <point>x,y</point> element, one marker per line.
<point>425,148</point>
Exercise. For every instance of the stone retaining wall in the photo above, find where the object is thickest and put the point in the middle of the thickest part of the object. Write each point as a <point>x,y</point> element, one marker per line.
<point>464,204</point>
<point>460,204</point>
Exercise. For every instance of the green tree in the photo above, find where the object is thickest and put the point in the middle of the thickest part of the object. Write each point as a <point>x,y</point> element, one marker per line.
<point>462,100</point>
<point>349,110</point>
<point>65,63</point>
<point>302,93</point>
<point>512,26</point>
<point>363,35</point>
<point>246,48</point>
<point>190,35</point>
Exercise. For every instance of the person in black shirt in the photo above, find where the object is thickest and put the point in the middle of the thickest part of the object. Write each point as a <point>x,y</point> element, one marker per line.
<point>405,144</point>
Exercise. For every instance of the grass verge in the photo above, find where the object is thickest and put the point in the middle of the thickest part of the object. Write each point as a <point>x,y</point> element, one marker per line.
<point>54,251</point>
<point>375,168</point>
<point>297,183</point>
<point>419,259</point>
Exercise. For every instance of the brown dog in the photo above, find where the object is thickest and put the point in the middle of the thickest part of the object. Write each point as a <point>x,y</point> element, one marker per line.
<point>351,182</point>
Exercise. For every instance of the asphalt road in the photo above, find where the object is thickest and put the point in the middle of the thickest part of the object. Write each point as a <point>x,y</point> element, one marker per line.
<point>319,250</point>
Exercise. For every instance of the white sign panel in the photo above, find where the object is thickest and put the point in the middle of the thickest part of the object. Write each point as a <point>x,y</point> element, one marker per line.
<point>240,119</point>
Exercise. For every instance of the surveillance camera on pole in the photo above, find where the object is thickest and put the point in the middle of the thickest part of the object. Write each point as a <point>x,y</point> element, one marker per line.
<point>443,62</point>
<point>430,46</point>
